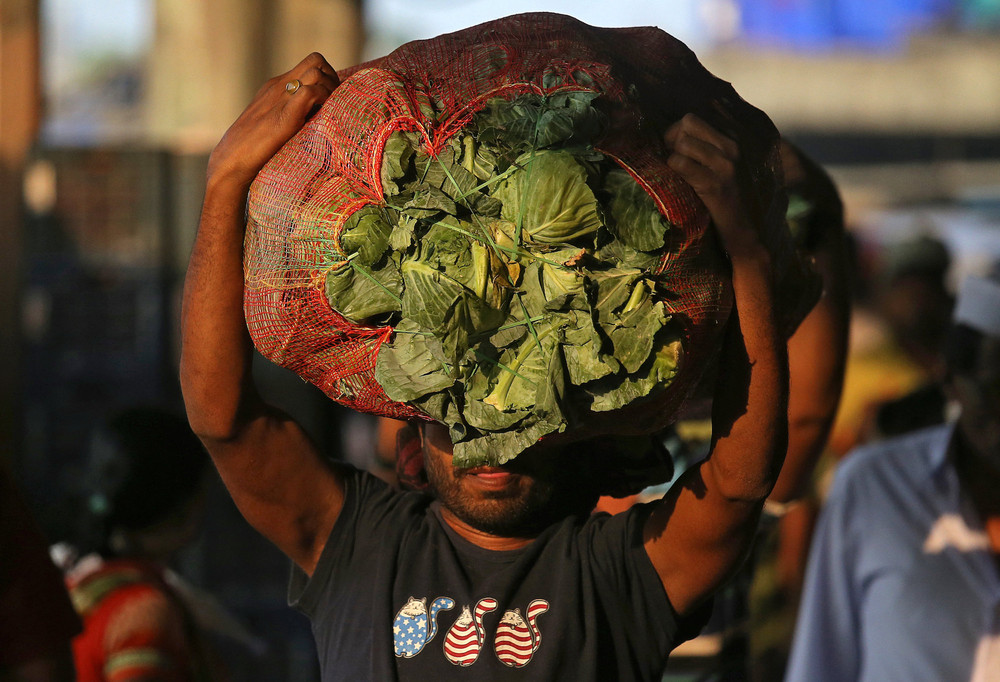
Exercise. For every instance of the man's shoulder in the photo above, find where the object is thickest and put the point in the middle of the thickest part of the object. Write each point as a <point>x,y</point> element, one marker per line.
<point>607,539</point>
<point>909,450</point>
<point>622,521</point>
<point>364,490</point>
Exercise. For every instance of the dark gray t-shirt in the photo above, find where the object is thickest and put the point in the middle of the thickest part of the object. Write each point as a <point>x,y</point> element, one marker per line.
<point>398,595</point>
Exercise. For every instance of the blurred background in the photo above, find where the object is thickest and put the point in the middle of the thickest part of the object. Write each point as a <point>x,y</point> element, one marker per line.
<point>109,108</point>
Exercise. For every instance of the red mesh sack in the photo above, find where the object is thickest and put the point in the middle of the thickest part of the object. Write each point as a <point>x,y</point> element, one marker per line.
<point>427,200</point>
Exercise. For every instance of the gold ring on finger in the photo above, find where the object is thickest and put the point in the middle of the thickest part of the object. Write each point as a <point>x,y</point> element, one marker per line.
<point>292,86</point>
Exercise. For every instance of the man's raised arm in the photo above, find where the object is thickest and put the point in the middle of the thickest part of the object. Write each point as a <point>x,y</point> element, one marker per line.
<point>272,470</point>
<point>698,534</point>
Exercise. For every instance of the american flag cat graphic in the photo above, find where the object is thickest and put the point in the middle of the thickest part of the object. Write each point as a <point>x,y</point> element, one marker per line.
<point>414,626</point>
<point>517,641</point>
<point>465,637</point>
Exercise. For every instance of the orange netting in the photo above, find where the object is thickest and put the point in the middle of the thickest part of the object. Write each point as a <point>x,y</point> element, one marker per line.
<point>646,79</point>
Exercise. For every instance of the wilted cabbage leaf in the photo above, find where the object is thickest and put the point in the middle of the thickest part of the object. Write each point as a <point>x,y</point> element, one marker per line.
<point>549,199</point>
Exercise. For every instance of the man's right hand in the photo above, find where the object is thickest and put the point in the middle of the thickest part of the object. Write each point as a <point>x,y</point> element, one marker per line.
<point>273,116</point>
<point>275,474</point>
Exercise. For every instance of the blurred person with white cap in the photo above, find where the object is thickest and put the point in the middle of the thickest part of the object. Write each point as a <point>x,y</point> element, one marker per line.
<point>904,572</point>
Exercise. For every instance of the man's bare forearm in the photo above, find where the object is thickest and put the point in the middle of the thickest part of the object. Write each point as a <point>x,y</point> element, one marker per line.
<point>750,406</point>
<point>215,361</point>
<point>215,357</point>
<point>749,420</point>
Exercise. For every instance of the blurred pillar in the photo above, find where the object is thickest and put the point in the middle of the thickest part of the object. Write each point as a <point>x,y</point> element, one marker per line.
<point>20,108</point>
<point>204,61</point>
<point>332,27</point>
<point>208,59</point>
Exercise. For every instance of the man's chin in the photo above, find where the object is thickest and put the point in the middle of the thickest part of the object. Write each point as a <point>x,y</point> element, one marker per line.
<point>501,515</point>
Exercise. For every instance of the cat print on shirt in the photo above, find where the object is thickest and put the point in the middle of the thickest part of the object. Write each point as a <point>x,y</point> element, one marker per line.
<point>413,626</point>
<point>517,640</point>
<point>465,638</point>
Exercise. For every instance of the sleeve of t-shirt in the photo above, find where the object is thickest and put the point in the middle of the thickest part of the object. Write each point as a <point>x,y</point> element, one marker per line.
<point>370,511</point>
<point>632,590</point>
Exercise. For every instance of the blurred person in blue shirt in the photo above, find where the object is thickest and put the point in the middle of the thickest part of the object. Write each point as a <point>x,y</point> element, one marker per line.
<point>904,573</point>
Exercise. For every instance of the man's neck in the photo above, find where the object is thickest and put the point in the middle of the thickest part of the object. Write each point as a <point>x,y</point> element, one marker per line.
<point>480,538</point>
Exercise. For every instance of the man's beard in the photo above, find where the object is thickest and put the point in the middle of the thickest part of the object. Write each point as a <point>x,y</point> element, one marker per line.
<point>516,512</point>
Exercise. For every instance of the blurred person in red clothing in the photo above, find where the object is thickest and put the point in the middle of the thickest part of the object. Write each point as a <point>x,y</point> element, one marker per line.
<point>147,475</point>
